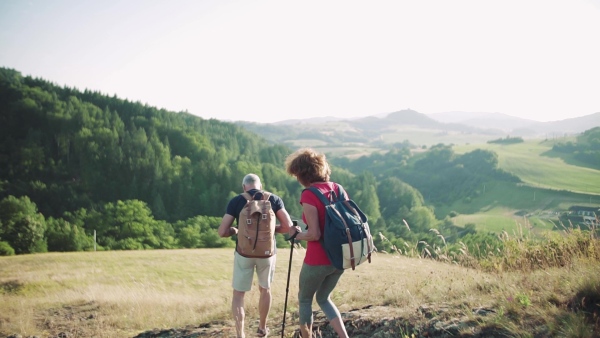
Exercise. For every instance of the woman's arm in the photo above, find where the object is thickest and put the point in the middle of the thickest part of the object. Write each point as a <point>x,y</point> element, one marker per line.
<point>313,232</point>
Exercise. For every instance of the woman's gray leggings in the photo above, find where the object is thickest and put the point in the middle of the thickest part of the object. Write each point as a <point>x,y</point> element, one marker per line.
<point>319,280</point>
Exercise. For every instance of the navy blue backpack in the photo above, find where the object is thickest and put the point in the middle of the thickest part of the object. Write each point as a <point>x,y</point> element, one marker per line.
<point>347,238</point>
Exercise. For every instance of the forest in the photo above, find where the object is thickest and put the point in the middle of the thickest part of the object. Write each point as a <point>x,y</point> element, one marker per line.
<point>80,170</point>
<point>586,148</point>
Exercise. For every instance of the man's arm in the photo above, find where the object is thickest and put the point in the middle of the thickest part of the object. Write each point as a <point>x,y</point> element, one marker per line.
<point>285,222</point>
<point>225,229</point>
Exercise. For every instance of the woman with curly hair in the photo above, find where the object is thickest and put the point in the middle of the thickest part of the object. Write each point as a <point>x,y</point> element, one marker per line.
<point>318,277</point>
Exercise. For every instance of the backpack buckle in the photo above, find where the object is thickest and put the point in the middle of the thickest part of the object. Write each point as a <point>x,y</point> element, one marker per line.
<point>249,221</point>
<point>264,216</point>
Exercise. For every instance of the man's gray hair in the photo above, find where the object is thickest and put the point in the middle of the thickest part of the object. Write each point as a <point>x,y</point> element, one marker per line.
<point>251,179</point>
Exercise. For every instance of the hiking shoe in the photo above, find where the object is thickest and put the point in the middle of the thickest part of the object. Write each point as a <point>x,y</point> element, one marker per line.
<point>262,333</point>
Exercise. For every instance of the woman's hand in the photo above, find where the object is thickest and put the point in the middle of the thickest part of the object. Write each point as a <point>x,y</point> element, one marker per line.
<point>294,230</point>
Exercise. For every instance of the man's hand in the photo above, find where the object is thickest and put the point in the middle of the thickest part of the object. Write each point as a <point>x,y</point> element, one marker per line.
<point>233,231</point>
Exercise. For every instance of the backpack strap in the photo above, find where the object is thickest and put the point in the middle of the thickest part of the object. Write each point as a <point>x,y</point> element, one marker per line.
<point>320,195</point>
<point>341,192</point>
<point>265,197</point>
<point>333,197</point>
<point>248,198</point>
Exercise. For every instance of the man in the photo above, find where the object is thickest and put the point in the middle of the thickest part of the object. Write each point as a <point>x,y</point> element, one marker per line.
<point>243,267</point>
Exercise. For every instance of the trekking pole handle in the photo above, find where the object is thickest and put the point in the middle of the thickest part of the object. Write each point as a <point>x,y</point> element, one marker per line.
<point>294,223</point>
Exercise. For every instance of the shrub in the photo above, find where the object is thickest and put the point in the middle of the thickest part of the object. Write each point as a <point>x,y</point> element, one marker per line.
<point>6,249</point>
<point>21,225</point>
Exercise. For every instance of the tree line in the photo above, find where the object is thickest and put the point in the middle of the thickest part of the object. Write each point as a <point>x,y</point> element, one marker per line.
<point>586,147</point>
<point>75,164</point>
<point>72,155</point>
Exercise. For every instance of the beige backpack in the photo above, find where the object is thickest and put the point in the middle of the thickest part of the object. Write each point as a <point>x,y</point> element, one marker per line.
<point>256,227</point>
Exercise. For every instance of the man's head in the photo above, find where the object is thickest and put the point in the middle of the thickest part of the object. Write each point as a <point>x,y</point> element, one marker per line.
<point>251,181</point>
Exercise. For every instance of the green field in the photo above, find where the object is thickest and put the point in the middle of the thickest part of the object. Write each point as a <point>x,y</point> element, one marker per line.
<point>551,184</point>
<point>502,219</point>
<point>536,165</point>
<point>514,207</point>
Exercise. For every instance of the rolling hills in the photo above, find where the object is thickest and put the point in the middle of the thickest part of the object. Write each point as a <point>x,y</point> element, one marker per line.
<point>550,182</point>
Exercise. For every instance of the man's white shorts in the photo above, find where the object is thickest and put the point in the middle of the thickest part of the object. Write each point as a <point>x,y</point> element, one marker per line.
<point>243,271</point>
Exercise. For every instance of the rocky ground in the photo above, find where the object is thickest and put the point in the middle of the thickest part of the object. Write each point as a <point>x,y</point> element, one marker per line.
<point>435,320</point>
<point>371,321</point>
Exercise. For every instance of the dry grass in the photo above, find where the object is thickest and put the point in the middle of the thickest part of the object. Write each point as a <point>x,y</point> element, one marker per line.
<point>130,290</point>
<point>122,293</point>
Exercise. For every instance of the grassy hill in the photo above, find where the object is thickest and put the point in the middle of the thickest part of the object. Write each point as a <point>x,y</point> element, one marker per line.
<point>510,207</point>
<point>552,182</point>
<point>536,164</point>
<point>551,185</point>
<point>125,293</point>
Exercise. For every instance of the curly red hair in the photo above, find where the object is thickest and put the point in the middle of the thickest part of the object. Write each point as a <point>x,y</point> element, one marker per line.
<point>308,166</point>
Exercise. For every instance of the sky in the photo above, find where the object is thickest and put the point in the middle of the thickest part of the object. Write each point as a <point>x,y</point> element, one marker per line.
<point>273,60</point>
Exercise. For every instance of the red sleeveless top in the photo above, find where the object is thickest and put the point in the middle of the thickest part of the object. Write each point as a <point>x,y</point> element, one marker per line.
<point>315,254</point>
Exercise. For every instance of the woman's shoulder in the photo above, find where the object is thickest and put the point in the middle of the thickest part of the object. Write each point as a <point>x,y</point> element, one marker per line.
<point>329,185</point>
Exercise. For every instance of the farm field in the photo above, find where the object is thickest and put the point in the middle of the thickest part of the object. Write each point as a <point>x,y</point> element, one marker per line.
<point>530,162</point>
<point>515,207</point>
<point>504,220</point>
<point>551,185</point>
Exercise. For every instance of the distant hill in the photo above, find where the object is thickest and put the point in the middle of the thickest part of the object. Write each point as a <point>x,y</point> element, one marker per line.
<point>520,127</point>
<point>570,126</point>
<point>371,131</point>
<point>416,128</point>
<point>311,120</point>
<point>498,121</point>
<point>458,116</point>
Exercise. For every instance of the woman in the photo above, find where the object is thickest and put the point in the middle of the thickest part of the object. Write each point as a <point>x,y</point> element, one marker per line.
<point>317,277</point>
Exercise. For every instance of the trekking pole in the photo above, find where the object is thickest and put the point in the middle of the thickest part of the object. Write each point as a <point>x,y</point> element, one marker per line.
<point>287,287</point>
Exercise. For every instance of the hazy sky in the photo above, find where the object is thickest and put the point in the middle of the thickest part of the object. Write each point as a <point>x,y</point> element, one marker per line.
<point>274,60</point>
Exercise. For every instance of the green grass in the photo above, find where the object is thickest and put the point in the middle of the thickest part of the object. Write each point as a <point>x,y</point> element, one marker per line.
<point>502,206</point>
<point>495,220</point>
<point>536,165</point>
<point>502,219</point>
<point>518,197</point>
<point>552,183</point>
